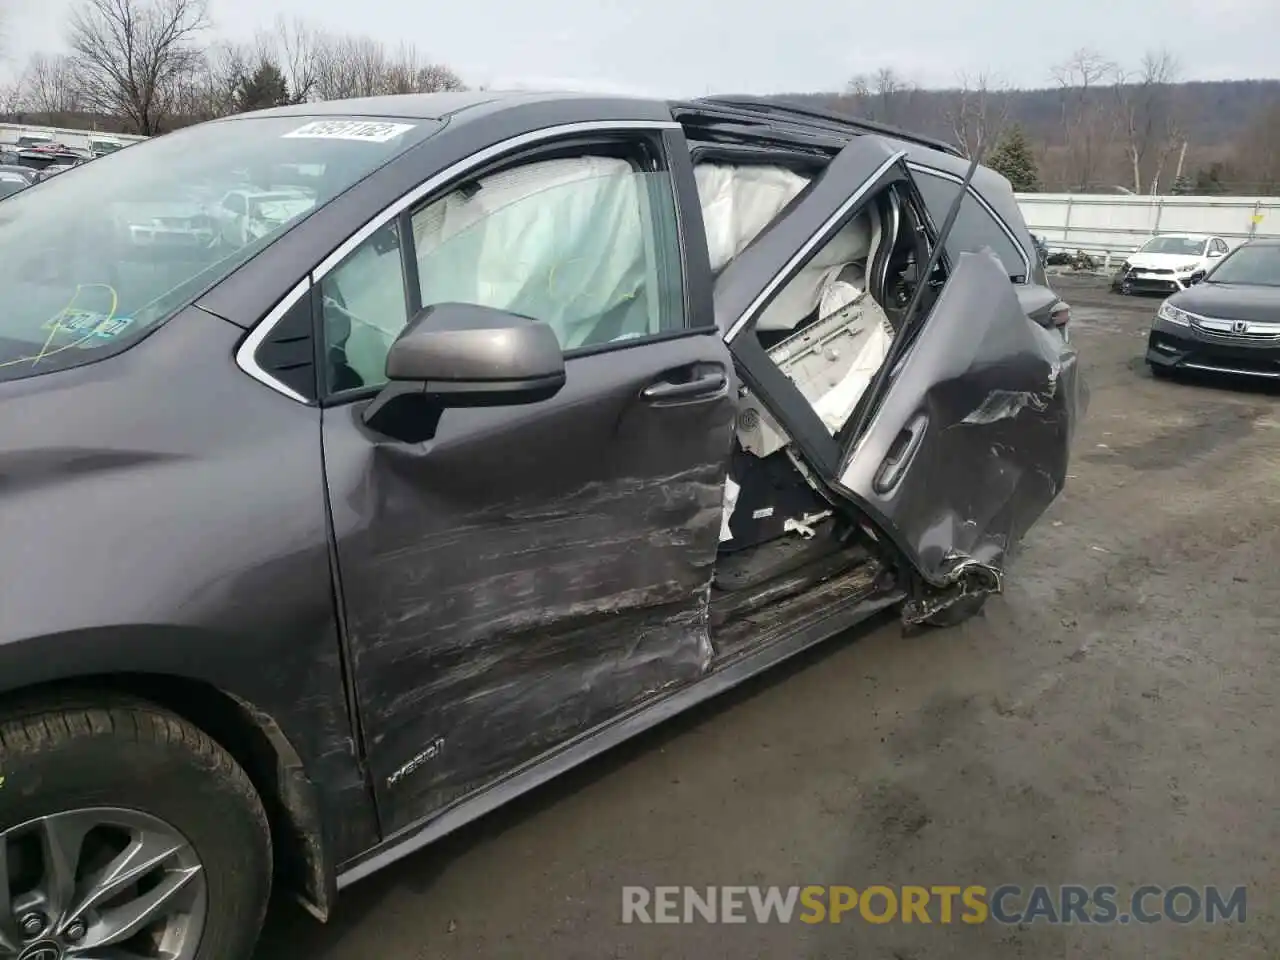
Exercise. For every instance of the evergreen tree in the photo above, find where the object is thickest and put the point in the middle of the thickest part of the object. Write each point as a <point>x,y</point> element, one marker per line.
<point>1183,186</point>
<point>1013,159</point>
<point>1209,182</point>
<point>265,87</point>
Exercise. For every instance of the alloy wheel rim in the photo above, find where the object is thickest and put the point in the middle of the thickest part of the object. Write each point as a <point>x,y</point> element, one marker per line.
<point>100,883</point>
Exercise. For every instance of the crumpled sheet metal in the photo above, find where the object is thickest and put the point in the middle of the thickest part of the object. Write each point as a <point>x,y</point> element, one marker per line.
<point>509,629</point>
<point>999,396</point>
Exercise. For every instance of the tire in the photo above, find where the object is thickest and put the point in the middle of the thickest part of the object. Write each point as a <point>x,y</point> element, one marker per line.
<point>960,611</point>
<point>135,772</point>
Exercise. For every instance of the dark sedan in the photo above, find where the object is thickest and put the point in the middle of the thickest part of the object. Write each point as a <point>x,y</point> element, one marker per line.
<point>1227,323</point>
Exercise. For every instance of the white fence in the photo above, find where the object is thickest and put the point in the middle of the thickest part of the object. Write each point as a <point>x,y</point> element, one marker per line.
<point>11,135</point>
<point>1103,224</point>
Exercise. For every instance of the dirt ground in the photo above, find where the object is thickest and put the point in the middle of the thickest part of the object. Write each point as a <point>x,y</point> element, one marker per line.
<point>1111,719</point>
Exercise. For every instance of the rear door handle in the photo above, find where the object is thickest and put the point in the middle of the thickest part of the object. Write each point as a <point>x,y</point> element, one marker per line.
<point>706,385</point>
<point>900,455</point>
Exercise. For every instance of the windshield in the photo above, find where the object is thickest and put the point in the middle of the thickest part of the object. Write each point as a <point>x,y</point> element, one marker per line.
<point>1249,264</point>
<point>104,252</point>
<point>1179,245</point>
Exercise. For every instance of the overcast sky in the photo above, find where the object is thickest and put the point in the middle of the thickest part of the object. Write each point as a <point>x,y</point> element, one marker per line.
<point>690,47</point>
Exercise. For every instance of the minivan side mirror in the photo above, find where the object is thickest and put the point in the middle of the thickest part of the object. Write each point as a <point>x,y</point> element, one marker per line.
<point>463,355</point>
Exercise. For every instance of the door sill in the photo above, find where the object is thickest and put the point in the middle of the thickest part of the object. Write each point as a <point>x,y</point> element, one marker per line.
<point>787,639</point>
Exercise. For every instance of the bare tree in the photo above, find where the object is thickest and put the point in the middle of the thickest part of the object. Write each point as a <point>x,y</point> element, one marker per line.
<point>977,112</point>
<point>11,97</point>
<point>400,72</point>
<point>362,67</point>
<point>882,95</point>
<point>1259,154</point>
<point>207,88</point>
<point>1149,117</point>
<point>434,77</point>
<point>134,58</point>
<point>1087,118</point>
<point>49,85</point>
<point>298,50</point>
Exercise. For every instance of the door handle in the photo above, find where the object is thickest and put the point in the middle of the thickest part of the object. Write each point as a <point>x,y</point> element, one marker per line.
<point>900,455</point>
<point>706,385</point>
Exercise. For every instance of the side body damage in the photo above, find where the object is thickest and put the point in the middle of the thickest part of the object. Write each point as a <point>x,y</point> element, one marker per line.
<point>529,572</point>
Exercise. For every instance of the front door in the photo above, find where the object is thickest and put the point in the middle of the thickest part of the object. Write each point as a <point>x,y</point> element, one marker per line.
<point>960,439</point>
<point>530,571</point>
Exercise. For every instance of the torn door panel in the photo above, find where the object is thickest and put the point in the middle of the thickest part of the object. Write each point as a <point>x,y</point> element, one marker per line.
<point>497,609</point>
<point>520,628</point>
<point>970,443</point>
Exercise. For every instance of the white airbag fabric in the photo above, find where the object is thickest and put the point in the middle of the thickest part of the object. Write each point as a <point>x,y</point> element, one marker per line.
<point>837,404</point>
<point>739,202</point>
<point>804,292</point>
<point>559,240</point>
<point>731,491</point>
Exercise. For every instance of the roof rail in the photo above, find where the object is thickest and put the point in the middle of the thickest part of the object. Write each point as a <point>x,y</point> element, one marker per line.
<point>829,118</point>
<point>726,123</point>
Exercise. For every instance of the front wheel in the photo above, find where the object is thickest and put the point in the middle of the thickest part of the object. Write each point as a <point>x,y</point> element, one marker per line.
<point>126,832</point>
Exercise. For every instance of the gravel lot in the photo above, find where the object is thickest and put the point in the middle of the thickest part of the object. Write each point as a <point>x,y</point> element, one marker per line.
<point>1111,719</point>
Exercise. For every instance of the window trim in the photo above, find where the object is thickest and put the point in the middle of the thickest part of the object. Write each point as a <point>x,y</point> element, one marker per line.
<point>246,354</point>
<point>920,168</point>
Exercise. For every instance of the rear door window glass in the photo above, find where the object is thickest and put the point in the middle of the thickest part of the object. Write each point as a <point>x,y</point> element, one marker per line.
<point>975,227</point>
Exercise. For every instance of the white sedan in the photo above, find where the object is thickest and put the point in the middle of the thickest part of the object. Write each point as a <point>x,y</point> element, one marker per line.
<point>1170,262</point>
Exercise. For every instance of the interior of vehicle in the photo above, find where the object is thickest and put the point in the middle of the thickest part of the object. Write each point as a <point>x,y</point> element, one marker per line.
<point>565,240</point>
<point>829,329</point>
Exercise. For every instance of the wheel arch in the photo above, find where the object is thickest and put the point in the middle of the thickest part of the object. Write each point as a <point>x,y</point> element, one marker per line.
<point>256,741</point>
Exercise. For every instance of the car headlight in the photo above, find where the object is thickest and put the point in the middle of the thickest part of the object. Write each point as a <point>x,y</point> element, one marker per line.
<point>1188,267</point>
<point>1171,314</point>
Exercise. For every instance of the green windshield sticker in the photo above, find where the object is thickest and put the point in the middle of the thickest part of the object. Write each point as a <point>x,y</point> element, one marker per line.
<point>370,131</point>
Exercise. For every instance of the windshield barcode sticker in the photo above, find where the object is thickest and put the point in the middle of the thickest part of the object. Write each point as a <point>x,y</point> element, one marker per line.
<point>368,130</point>
<point>88,323</point>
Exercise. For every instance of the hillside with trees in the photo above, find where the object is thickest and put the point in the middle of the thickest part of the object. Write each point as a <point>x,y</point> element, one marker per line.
<point>147,66</point>
<point>1100,126</point>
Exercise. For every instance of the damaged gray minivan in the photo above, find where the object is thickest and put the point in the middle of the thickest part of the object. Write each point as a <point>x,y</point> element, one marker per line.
<point>527,422</point>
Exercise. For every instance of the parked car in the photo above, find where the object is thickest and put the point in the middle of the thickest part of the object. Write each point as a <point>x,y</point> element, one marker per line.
<point>52,154</point>
<point>1042,248</point>
<point>245,214</point>
<point>101,146</point>
<point>1229,322</point>
<point>553,416</point>
<point>20,171</point>
<point>53,170</point>
<point>11,183</point>
<point>1168,263</point>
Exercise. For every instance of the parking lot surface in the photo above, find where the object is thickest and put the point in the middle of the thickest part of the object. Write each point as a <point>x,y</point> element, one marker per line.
<point>1112,719</point>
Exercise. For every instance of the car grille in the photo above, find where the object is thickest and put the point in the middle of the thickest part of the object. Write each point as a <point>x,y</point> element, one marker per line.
<point>1158,272</point>
<point>1229,330</point>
